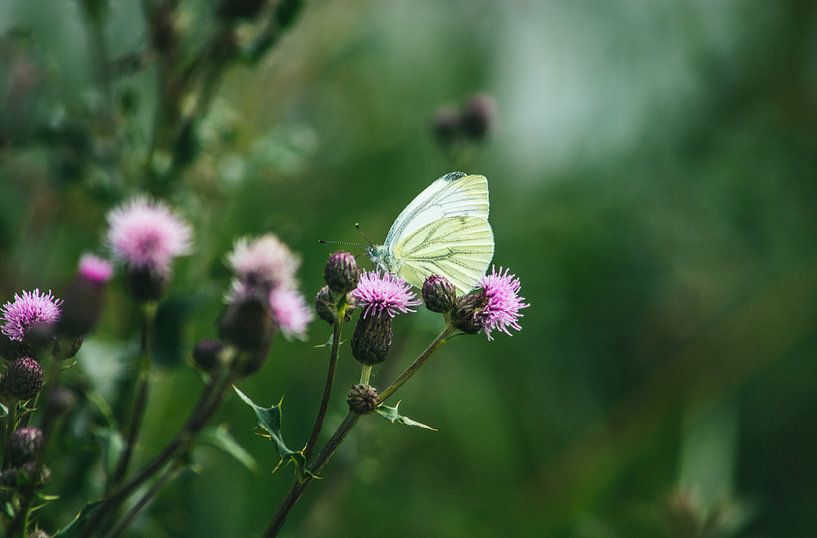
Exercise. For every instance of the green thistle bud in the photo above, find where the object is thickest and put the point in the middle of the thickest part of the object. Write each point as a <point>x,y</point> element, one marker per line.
<point>247,323</point>
<point>439,294</point>
<point>23,379</point>
<point>325,305</point>
<point>362,399</point>
<point>465,314</point>
<point>371,341</point>
<point>24,445</point>
<point>341,272</point>
<point>60,400</point>
<point>207,355</point>
<point>146,284</point>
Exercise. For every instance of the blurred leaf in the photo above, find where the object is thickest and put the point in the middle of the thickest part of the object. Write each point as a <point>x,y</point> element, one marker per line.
<point>172,318</point>
<point>270,420</point>
<point>219,437</point>
<point>391,414</point>
<point>74,529</point>
<point>111,445</point>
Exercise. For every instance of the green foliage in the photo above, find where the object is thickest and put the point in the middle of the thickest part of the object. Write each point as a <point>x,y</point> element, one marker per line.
<point>392,415</point>
<point>270,420</point>
<point>219,437</point>
<point>75,527</point>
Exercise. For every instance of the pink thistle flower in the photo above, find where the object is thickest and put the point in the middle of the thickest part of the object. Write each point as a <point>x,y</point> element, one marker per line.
<point>95,269</point>
<point>386,293</point>
<point>503,303</point>
<point>290,312</point>
<point>30,308</point>
<point>265,261</point>
<point>147,234</point>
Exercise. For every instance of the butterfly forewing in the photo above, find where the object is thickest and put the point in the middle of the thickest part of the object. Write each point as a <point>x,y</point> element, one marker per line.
<point>452,195</point>
<point>460,248</point>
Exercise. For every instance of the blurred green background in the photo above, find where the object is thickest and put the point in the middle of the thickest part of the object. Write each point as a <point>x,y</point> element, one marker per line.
<point>652,173</point>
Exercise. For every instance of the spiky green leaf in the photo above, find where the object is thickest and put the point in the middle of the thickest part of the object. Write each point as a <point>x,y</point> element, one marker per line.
<point>392,415</point>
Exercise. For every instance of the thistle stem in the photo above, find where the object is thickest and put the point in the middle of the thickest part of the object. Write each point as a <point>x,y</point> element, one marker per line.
<point>365,373</point>
<point>145,499</point>
<point>141,399</point>
<point>298,488</point>
<point>209,400</point>
<point>330,379</point>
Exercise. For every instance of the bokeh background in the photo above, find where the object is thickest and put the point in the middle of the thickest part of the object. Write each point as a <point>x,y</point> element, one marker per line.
<point>652,170</point>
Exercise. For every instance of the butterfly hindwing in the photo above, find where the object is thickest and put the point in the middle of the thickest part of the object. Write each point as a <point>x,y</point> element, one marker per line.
<point>460,248</point>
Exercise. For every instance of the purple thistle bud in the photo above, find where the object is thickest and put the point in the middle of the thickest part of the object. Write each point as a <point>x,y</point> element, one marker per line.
<point>24,445</point>
<point>84,297</point>
<point>501,311</point>
<point>207,355</point>
<point>148,235</point>
<point>95,269</point>
<point>341,273</point>
<point>263,261</point>
<point>23,379</point>
<point>371,341</point>
<point>290,312</point>
<point>362,399</point>
<point>439,294</point>
<point>495,305</point>
<point>30,308</point>
<point>325,305</point>
<point>379,293</point>
<point>446,125</point>
<point>478,116</point>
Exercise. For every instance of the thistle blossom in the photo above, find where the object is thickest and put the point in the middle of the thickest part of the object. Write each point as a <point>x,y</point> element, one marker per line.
<point>95,269</point>
<point>147,234</point>
<point>290,312</point>
<point>502,302</point>
<point>382,293</point>
<point>265,261</point>
<point>30,308</point>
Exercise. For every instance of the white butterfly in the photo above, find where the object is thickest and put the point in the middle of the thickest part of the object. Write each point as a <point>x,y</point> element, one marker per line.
<point>443,231</point>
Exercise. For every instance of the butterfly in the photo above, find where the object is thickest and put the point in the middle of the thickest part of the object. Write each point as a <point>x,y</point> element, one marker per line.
<point>443,231</point>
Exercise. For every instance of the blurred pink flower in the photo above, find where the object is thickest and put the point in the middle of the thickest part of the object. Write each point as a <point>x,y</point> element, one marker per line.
<point>290,312</point>
<point>144,233</point>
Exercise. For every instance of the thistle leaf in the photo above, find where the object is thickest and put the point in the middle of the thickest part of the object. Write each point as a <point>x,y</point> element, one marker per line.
<point>219,437</point>
<point>270,420</point>
<point>392,415</point>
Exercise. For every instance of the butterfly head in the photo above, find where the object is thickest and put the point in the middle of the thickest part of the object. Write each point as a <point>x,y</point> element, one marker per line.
<point>382,258</point>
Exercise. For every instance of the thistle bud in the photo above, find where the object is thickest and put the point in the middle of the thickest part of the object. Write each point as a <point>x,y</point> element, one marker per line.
<point>10,349</point>
<point>371,341</point>
<point>445,125</point>
<point>24,475</point>
<point>466,311</point>
<point>23,379</point>
<point>439,294</point>
<point>247,323</point>
<point>146,284</point>
<point>341,272</point>
<point>478,117</point>
<point>207,355</point>
<point>39,338</point>
<point>60,401</point>
<point>362,399</point>
<point>253,362</point>
<point>24,445</point>
<point>84,298</point>
<point>325,305</point>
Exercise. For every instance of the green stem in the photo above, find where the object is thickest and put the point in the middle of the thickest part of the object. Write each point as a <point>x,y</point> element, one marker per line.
<point>11,425</point>
<point>141,399</point>
<point>298,488</point>
<point>208,402</point>
<point>365,373</point>
<point>330,378</point>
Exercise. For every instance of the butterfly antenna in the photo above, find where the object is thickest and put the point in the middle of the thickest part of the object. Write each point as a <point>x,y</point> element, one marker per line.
<point>368,242</point>
<point>346,243</point>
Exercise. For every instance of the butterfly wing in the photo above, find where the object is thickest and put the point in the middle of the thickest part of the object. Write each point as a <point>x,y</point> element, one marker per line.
<point>459,248</point>
<point>454,194</point>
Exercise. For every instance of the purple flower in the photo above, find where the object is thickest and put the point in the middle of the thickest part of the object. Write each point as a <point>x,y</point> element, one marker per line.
<point>265,261</point>
<point>95,269</point>
<point>147,234</point>
<point>377,293</point>
<point>30,308</point>
<point>503,303</point>
<point>290,312</point>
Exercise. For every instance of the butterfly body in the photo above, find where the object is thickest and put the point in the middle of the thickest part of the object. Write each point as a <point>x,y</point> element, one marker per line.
<point>444,231</point>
